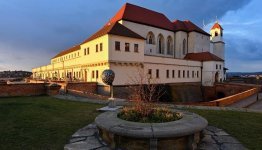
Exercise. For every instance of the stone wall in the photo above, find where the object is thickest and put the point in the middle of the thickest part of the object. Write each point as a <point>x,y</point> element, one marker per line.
<point>8,90</point>
<point>88,87</point>
<point>180,92</point>
<point>230,99</point>
<point>223,90</point>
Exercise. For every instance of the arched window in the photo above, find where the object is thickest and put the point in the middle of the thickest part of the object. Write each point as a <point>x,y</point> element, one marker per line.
<point>216,34</point>
<point>160,43</point>
<point>184,46</point>
<point>150,39</point>
<point>169,45</point>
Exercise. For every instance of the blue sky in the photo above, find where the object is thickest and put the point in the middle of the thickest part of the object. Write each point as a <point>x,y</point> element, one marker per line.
<point>33,31</point>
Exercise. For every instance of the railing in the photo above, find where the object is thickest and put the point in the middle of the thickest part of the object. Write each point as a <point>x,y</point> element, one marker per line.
<point>230,99</point>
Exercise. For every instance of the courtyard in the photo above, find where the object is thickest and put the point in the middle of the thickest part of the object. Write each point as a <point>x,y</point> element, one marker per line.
<point>43,122</point>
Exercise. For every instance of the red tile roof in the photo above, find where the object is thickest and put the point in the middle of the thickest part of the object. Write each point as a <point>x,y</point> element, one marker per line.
<point>204,56</point>
<point>114,29</point>
<point>72,49</point>
<point>137,14</point>
<point>192,27</point>
<point>217,25</point>
<point>133,13</point>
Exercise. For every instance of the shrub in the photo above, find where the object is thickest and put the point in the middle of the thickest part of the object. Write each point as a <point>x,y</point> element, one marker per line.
<point>148,113</point>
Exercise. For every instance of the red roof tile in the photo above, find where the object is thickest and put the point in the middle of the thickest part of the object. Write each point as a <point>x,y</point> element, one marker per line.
<point>114,29</point>
<point>142,15</point>
<point>204,56</point>
<point>217,25</point>
<point>67,51</point>
<point>145,16</point>
<point>187,26</point>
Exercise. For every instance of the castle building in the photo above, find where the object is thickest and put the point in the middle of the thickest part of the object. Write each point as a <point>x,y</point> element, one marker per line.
<point>139,38</point>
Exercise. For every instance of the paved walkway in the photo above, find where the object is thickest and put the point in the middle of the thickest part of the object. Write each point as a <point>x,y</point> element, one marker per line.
<point>80,99</point>
<point>245,103</point>
<point>213,138</point>
<point>256,106</point>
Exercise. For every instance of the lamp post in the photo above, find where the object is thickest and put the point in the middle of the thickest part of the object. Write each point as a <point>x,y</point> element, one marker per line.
<point>257,78</point>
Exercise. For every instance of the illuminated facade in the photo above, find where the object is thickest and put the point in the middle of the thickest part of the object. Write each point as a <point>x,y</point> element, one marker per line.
<point>137,38</point>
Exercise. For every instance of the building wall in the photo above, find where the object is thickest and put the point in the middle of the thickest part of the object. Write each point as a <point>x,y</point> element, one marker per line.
<point>210,68</point>
<point>179,37</point>
<point>122,55</point>
<point>198,43</point>
<point>190,69</point>
<point>219,49</point>
<point>143,30</point>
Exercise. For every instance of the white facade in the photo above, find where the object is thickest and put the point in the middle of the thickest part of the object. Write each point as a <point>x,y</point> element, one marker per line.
<point>160,54</point>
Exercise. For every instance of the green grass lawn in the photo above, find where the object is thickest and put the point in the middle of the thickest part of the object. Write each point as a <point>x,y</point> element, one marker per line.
<point>47,123</point>
<point>41,122</point>
<point>246,127</point>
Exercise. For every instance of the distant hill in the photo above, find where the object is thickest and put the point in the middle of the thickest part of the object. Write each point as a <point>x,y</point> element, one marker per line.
<point>15,74</point>
<point>243,74</point>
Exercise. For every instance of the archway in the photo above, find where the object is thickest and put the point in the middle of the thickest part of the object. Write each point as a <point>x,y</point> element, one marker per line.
<point>216,77</point>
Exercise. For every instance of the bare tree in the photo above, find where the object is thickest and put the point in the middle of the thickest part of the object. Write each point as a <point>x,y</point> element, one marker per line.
<point>145,88</point>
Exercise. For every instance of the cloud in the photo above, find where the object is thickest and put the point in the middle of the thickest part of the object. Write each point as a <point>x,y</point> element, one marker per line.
<point>34,31</point>
<point>242,30</point>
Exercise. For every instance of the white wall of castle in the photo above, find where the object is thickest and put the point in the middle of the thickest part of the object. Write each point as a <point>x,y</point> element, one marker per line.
<point>172,68</point>
<point>210,68</point>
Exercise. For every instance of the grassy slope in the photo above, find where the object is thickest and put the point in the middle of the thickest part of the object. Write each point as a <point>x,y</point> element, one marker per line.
<point>41,122</point>
<point>246,127</point>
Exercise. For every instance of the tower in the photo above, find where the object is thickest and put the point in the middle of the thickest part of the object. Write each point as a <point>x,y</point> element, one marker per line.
<point>217,42</point>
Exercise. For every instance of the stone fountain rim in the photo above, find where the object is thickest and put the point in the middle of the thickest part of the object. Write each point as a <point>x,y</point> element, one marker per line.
<point>189,124</point>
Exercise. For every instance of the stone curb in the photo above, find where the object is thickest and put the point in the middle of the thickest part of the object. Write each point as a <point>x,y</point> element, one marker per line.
<point>211,138</point>
<point>189,124</point>
<point>218,108</point>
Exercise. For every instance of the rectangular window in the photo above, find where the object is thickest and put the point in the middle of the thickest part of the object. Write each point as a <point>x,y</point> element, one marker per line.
<point>173,73</point>
<point>179,73</point>
<point>187,73</point>
<point>117,45</point>
<point>157,73</point>
<point>96,73</point>
<point>88,51</point>
<point>167,73</point>
<point>183,73</point>
<point>150,73</point>
<point>96,47</point>
<point>136,48</point>
<point>101,46</point>
<point>197,74</point>
<point>93,74</point>
<point>193,74</point>
<point>127,47</point>
<point>216,66</point>
<point>219,66</point>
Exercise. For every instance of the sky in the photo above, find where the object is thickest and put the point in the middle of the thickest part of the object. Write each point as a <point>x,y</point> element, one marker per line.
<point>33,31</point>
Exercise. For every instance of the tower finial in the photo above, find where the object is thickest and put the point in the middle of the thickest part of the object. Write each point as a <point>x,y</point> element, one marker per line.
<point>204,24</point>
<point>216,20</point>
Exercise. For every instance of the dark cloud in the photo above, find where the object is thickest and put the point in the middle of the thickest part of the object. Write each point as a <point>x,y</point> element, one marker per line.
<point>195,10</point>
<point>243,49</point>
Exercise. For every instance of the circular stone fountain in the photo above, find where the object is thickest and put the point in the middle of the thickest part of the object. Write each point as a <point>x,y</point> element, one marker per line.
<point>121,134</point>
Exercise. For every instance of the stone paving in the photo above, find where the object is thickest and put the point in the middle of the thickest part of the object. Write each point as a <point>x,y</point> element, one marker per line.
<point>213,138</point>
